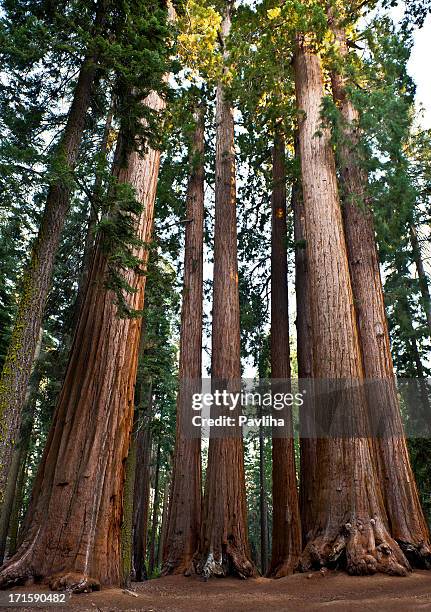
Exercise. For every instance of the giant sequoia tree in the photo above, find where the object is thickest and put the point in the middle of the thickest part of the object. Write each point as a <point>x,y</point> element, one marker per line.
<point>185,504</point>
<point>401,497</point>
<point>77,496</point>
<point>19,358</point>
<point>349,514</point>
<point>286,529</point>
<point>223,547</point>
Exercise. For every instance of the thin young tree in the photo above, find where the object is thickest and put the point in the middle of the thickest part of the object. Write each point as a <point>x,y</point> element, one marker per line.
<point>223,547</point>
<point>406,519</point>
<point>186,498</point>
<point>286,526</point>
<point>350,519</point>
<point>19,359</point>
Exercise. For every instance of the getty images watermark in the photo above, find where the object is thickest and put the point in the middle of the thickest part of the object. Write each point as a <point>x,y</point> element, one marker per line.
<point>233,402</point>
<point>308,408</point>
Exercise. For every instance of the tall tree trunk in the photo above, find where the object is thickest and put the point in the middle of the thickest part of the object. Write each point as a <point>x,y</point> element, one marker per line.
<point>73,527</point>
<point>423,280</point>
<point>406,519</point>
<point>141,500</point>
<point>19,359</point>
<point>164,525</point>
<point>223,547</point>
<point>186,499</point>
<point>350,526</point>
<point>308,462</point>
<point>286,530</point>
<point>155,519</point>
<point>263,503</point>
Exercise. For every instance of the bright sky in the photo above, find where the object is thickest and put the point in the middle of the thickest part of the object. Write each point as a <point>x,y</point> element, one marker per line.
<point>419,66</point>
<point>420,70</point>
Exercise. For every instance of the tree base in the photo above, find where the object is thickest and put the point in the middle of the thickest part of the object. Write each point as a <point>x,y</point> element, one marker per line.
<point>73,583</point>
<point>282,569</point>
<point>361,549</point>
<point>418,555</point>
<point>230,563</point>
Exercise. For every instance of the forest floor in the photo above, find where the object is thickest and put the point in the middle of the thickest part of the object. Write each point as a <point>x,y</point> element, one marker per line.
<point>332,591</point>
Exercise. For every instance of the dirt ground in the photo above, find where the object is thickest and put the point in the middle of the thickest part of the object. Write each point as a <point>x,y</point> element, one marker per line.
<point>333,591</point>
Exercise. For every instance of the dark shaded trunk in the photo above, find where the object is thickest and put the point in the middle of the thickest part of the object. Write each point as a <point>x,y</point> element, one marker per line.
<point>286,530</point>
<point>406,520</point>
<point>423,279</point>
<point>350,523</point>
<point>164,525</point>
<point>72,531</point>
<point>19,359</point>
<point>223,547</point>
<point>127,523</point>
<point>186,500</point>
<point>263,506</point>
<point>141,501</point>
<point>155,518</point>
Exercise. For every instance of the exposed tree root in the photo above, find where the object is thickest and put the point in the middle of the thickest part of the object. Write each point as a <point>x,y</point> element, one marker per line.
<point>230,563</point>
<point>361,549</point>
<point>73,583</point>
<point>418,555</point>
<point>11,576</point>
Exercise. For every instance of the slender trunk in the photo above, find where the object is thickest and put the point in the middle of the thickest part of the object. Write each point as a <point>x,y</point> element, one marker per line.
<point>423,280</point>
<point>223,547</point>
<point>19,360</point>
<point>164,525</point>
<point>286,531</point>
<point>186,500</point>
<point>263,504</point>
<point>141,500</point>
<point>18,500</point>
<point>127,523</point>
<point>73,527</point>
<point>350,527</point>
<point>406,520</point>
<point>155,518</point>
<point>8,499</point>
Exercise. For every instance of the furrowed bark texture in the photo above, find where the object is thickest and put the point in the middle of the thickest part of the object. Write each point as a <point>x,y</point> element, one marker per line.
<point>308,461</point>
<point>406,519</point>
<point>350,524</point>
<point>286,531</point>
<point>19,359</point>
<point>223,547</point>
<point>186,498</point>
<point>72,529</point>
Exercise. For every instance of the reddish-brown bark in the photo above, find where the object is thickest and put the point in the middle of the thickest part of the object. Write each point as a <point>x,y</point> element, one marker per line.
<point>186,498</point>
<point>286,529</point>
<point>308,462</point>
<point>19,359</point>
<point>72,530</point>
<point>406,520</point>
<point>223,547</point>
<point>350,525</point>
